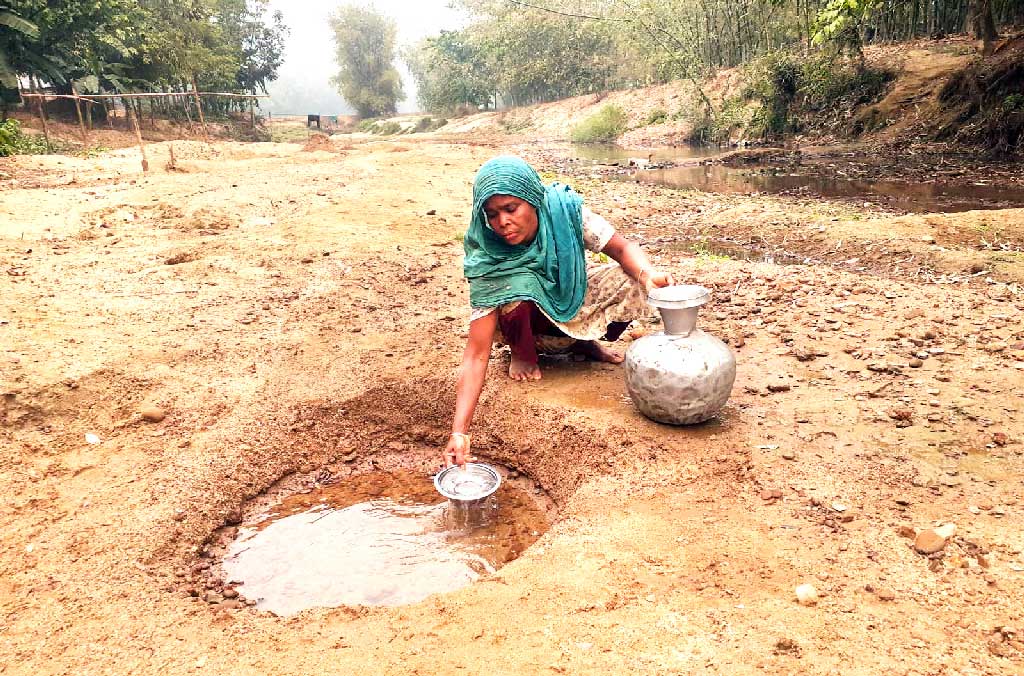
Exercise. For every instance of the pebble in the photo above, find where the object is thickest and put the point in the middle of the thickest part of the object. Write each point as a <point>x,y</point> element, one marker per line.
<point>806,595</point>
<point>213,597</point>
<point>230,593</point>
<point>916,363</point>
<point>788,455</point>
<point>932,540</point>
<point>778,387</point>
<point>152,413</point>
<point>885,594</point>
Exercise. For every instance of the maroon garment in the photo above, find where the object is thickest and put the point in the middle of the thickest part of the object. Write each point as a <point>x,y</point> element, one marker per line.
<point>521,325</point>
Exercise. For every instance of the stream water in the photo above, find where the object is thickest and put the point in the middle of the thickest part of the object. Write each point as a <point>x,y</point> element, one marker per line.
<point>382,539</point>
<point>811,177</point>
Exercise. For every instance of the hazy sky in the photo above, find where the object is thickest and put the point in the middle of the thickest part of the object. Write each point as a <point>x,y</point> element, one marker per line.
<point>304,78</point>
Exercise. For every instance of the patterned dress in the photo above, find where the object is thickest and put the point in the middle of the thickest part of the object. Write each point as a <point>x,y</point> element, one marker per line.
<point>612,295</point>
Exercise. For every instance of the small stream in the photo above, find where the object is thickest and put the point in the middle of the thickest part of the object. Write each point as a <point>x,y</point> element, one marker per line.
<point>810,177</point>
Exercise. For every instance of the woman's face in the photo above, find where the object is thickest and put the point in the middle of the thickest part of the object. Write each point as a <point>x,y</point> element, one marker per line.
<point>514,220</point>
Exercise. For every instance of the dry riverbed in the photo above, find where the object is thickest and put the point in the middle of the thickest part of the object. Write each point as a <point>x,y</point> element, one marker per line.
<point>172,344</point>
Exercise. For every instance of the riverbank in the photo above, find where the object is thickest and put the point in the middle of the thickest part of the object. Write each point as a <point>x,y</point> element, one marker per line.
<point>288,310</point>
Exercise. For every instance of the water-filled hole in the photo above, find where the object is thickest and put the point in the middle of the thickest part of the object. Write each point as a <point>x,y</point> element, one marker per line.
<point>377,533</point>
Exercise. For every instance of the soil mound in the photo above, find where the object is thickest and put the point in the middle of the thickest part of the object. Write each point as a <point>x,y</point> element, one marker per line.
<point>319,142</point>
<point>984,103</point>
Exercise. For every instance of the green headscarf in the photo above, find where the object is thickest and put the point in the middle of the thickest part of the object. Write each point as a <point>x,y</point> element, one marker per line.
<point>551,270</point>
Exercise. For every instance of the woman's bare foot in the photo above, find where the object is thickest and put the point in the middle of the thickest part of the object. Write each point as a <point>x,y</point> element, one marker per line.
<point>523,370</point>
<point>597,352</point>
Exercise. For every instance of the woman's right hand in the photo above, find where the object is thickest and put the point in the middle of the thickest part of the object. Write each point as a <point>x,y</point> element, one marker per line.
<point>457,450</point>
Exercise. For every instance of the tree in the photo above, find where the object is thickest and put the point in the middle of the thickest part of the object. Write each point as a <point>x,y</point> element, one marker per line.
<point>13,30</point>
<point>365,43</point>
<point>981,24</point>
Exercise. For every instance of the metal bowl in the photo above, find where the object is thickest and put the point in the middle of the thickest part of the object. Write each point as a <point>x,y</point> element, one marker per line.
<point>475,481</point>
<point>679,296</point>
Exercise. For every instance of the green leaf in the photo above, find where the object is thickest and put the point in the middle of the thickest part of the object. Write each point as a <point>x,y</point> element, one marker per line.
<point>12,20</point>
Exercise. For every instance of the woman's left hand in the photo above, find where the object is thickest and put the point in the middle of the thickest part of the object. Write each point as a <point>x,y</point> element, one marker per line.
<point>655,279</point>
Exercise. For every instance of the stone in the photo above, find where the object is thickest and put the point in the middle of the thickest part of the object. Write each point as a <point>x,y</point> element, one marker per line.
<point>230,593</point>
<point>906,531</point>
<point>806,595</point>
<point>885,594</point>
<point>213,597</point>
<point>930,541</point>
<point>788,455</point>
<point>779,387</point>
<point>152,413</point>
<point>916,363</point>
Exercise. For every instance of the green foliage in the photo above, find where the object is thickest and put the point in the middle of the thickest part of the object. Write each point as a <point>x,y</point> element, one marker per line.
<point>604,126</point>
<point>717,126</point>
<point>13,141</point>
<point>656,116</point>
<point>839,23</point>
<point>794,89</point>
<point>1013,103</point>
<point>129,45</point>
<point>425,124</point>
<point>367,78</point>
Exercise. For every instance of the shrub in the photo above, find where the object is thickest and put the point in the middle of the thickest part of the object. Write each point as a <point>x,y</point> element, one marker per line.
<point>423,124</point>
<point>656,116</point>
<point>388,128</point>
<point>13,141</point>
<point>795,91</point>
<point>604,126</point>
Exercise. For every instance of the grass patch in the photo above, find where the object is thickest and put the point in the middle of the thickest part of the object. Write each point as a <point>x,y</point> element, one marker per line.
<point>14,141</point>
<point>656,116</point>
<point>288,134</point>
<point>604,126</point>
<point>704,255</point>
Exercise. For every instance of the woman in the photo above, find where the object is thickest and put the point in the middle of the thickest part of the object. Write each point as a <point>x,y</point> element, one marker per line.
<point>529,280</point>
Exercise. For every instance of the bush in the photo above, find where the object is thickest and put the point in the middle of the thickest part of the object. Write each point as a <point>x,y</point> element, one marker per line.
<point>656,116</point>
<point>388,128</point>
<point>604,126</point>
<point>796,91</point>
<point>13,141</point>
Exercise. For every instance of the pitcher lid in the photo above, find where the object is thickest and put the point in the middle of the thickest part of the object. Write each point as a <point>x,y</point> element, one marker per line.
<point>679,296</point>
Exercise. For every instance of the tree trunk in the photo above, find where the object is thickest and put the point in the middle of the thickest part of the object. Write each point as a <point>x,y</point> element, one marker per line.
<point>981,24</point>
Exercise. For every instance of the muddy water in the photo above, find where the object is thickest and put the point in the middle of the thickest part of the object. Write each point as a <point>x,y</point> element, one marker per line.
<point>902,195</point>
<point>610,154</point>
<point>383,539</point>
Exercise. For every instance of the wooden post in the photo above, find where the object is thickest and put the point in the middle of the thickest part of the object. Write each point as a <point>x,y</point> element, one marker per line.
<point>199,106</point>
<point>81,120</point>
<point>42,113</point>
<point>252,113</point>
<point>188,114</point>
<point>138,136</point>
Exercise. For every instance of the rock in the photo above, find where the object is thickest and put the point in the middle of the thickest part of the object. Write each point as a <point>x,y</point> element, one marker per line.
<point>932,540</point>
<point>771,494</point>
<point>213,597</point>
<point>432,212</point>
<point>902,500</point>
<point>928,239</point>
<point>839,507</point>
<point>230,593</point>
<point>234,517</point>
<point>779,387</point>
<point>230,604</point>
<point>806,595</point>
<point>906,531</point>
<point>916,363</point>
<point>1000,438</point>
<point>885,594</point>
<point>900,413</point>
<point>946,530</point>
<point>152,413</point>
<point>788,455</point>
